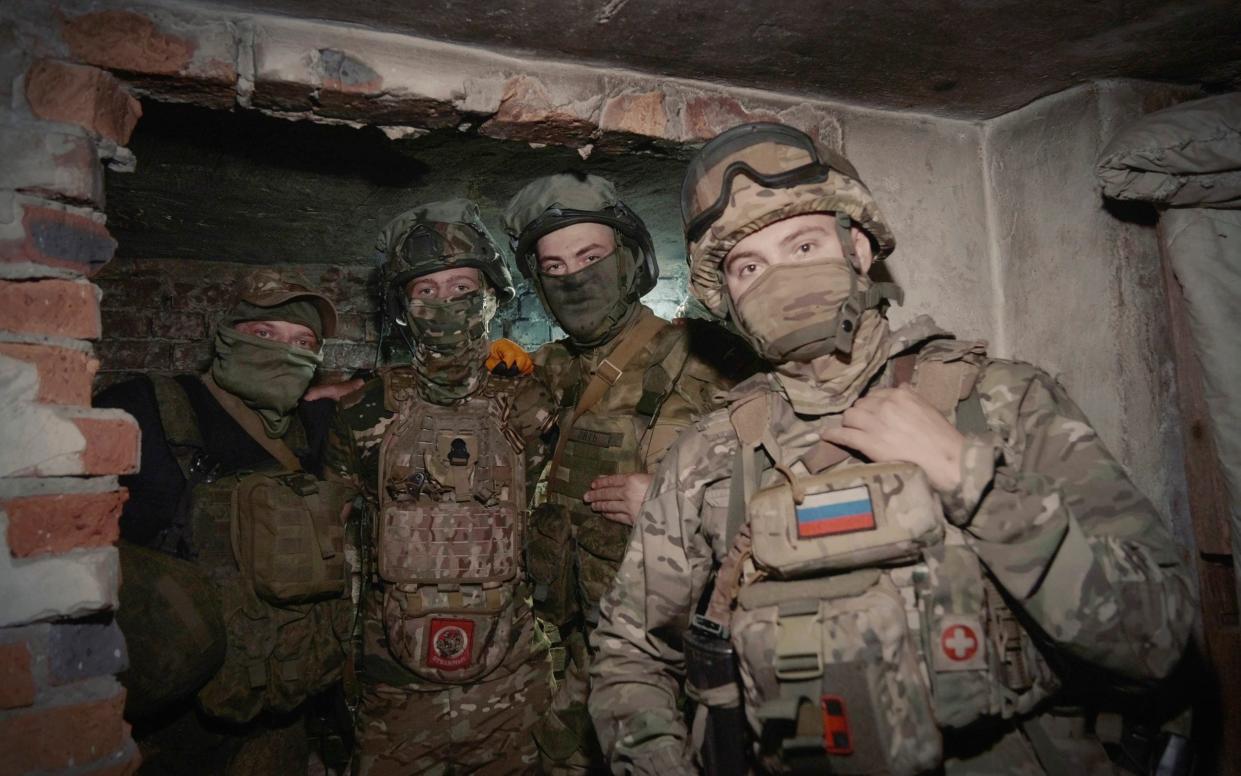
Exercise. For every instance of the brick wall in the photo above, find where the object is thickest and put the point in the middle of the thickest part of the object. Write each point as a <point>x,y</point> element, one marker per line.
<point>60,703</point>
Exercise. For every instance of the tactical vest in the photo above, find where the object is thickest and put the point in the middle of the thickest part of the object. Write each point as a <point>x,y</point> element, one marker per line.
<point>448,538</point>
<point>621,439</point>
<point>279,652</point>
<point>870,625</point>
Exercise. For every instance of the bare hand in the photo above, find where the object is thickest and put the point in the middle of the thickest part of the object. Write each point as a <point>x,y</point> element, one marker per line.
<point>333,391</point>
<point>896,424</point>
<point>618,497</point>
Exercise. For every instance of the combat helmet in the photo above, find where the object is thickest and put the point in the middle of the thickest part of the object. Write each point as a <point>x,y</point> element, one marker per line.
<point>556,201</point>
<point>754,175</point>
<point>438,236</point>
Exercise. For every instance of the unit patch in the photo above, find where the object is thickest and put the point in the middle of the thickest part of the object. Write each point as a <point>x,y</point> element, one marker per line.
<point>450,644</point>
<point>835,512</point>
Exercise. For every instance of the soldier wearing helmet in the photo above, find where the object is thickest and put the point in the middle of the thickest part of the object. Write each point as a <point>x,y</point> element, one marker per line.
<point>194,623</point>
<point>451,669</point>
<point>891,552</point>
<point>627,382</point>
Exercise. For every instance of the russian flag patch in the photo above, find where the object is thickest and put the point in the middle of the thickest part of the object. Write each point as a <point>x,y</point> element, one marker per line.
<point>835,512</point>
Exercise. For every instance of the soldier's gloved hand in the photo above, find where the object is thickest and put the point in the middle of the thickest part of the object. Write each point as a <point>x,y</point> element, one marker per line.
<point>508,359</point>
<point>896,424</point>
<point>618,497</point>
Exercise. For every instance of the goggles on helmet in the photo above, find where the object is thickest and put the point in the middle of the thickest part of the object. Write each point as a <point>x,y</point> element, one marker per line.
<point>774,156</point>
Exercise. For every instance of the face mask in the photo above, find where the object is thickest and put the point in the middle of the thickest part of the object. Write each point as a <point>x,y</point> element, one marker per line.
<point>591,303</point>
<point>451,346</point>
<point>268,376</point>
<point>792,312</point>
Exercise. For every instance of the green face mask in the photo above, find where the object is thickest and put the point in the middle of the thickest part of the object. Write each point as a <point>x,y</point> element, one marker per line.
<point>270,377</point>
<point>592,303</point>
<point>451,345</point>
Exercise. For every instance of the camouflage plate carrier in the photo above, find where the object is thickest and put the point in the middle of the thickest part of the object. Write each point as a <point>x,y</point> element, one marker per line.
<point>279,651</point>
<point>870,624</point>
<point>449,532</point>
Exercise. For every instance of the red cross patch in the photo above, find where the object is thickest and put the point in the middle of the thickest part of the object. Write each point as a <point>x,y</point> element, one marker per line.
<point>959,642</point>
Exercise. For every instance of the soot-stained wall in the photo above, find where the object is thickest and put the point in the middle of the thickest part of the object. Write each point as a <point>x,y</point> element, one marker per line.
<point>215,192</point>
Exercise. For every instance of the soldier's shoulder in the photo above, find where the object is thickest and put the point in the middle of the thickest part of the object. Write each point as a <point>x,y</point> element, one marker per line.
<point>362,407</point>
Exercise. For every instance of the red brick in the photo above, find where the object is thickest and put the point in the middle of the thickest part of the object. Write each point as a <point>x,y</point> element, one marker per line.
<point>639,114</point>
<point>51,524</point>
<point>65,375</point>
<point>58,307</point>
<point>708,115</point>
<point>126,41</point>
<point>112,445</point>
<point>60,239</point>
<point>16,682</point>
<point>87,96</point>
<point>526,113</point>
<point>62,736</point>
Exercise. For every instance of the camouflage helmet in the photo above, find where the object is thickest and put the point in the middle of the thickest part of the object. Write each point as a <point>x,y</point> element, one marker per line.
<point>438,236</point>
<point>556,201</point>
<point>754,175</point>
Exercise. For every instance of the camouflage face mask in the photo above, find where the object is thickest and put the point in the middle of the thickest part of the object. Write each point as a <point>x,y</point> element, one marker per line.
<point>451,346</point>
<point>591,304</point>
<point>270,377</point>
<point>793,312</point>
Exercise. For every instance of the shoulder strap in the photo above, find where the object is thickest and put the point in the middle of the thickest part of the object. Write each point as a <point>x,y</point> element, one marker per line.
<point>250,423</point>
<point>176,412</point>
<point>606,375</point>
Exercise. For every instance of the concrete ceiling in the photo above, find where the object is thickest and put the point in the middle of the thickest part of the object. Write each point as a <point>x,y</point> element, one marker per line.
<point>958,58</point>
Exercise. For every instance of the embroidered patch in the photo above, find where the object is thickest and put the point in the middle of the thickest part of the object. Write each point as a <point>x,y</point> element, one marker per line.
<point>835,512</point>
<point>961,644</point>
<point>450,644</point>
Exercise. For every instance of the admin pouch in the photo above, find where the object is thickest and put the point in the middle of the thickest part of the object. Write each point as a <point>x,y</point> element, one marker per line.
<point>829,663</point>
<point>449,536</point>
<point>288,536</point>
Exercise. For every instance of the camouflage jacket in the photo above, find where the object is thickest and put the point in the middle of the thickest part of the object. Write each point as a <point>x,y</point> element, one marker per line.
<point>1051,514</point>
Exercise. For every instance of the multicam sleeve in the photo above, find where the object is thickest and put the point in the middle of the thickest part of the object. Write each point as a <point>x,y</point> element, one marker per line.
<point>1059,524</point>
<point>638,668</point>
<point>340,460</point>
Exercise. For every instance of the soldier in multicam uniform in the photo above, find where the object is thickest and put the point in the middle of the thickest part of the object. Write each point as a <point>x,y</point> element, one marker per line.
<point>195,624</point>
<point>453,671</point>
<point>627,383</point>
<point>906,553</point>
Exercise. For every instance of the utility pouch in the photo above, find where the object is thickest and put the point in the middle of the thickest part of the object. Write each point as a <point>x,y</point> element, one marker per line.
<point>549,550</point>
<point>848,519</point>
<point>832,677</point>
<point>429,542</point>
<point>287,536</point>
<point>449,633</point>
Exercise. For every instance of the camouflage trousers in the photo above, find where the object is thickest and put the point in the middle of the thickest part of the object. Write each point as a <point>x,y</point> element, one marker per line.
<point>484,727</point>
<point>565,734</point>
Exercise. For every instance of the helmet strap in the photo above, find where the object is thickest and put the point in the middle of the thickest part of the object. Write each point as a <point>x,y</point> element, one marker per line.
<point>858,301</point>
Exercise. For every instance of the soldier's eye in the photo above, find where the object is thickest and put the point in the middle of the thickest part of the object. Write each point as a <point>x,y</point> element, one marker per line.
<point>806,247</point>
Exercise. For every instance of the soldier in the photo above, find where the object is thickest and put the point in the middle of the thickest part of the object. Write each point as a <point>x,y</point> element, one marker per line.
<point>627,383</point>
<point>897,546</point>
<point>451,668</point>
<point>217,451</point>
